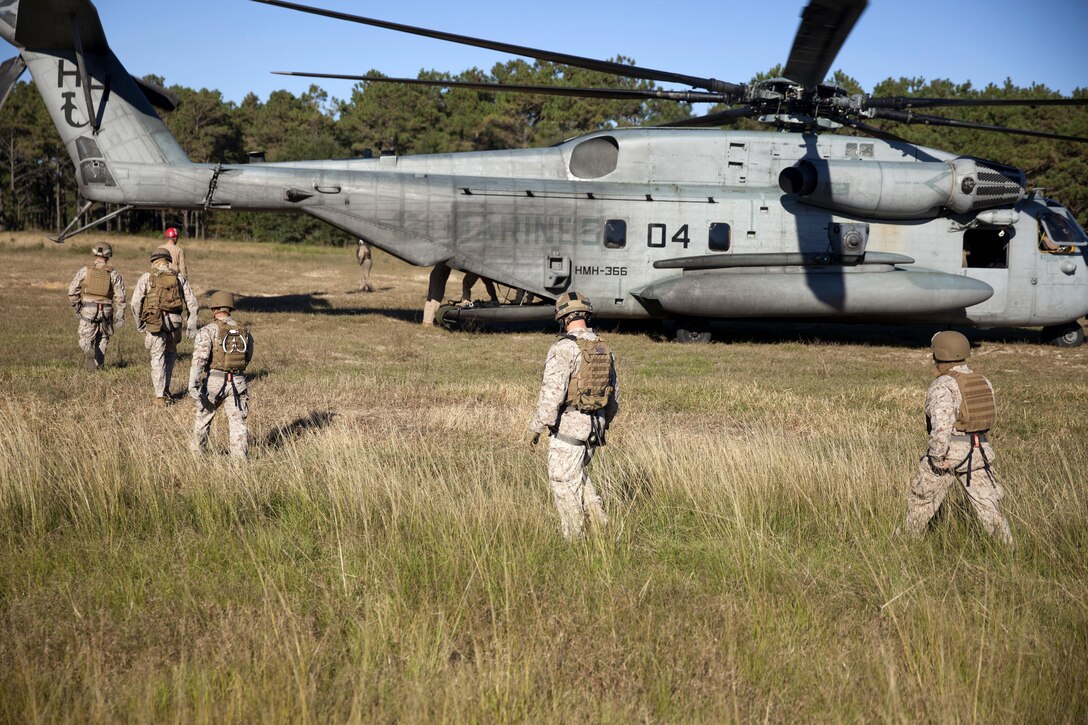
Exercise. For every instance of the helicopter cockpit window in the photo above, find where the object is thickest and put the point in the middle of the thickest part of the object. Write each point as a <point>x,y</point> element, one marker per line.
<point>719,237</point>
<point>615,234</point>
<point>1059,235</point>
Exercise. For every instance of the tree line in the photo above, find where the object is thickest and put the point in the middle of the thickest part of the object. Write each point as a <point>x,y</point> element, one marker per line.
<point>38,189</point>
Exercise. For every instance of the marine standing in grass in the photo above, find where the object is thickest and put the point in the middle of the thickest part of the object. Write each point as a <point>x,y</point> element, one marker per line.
<point>160,297</point>
<point>577,402</point>
<point>223,350</point>
<point>366,261</point>
<point>97,293</point>
<point>960,409</point>
<point>177,254</point>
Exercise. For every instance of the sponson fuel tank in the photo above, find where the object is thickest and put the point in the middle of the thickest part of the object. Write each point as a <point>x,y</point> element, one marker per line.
<point>872,291</point>
<point>904,189</point>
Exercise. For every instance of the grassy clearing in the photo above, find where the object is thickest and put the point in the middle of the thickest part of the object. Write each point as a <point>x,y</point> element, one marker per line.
<point>390,552</point>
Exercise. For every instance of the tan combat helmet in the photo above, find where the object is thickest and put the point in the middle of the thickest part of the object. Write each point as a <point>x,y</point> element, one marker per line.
<point>221,300</point>
<point>161,253</point>
<point>102,249</point>
<point>949,346</point>
<point>570,303</point>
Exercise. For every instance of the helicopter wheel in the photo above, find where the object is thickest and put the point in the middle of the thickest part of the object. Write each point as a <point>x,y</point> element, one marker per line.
<point>1068,335</point>
<point>692,332</point>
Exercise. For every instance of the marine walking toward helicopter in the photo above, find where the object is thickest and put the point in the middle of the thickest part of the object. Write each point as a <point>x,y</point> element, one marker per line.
<point>158,301</point>
<point>97,293</point>
<point>960,410</point>
<point>221,353</point>
<point>177,254</point>
<point>577,402</point>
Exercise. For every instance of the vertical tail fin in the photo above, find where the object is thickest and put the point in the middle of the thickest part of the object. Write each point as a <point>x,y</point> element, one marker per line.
<point>102,114</point>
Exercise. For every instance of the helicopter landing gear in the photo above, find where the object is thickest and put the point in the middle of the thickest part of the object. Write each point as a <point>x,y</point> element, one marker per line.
<point>1071,334</point>
<point>692,332</point>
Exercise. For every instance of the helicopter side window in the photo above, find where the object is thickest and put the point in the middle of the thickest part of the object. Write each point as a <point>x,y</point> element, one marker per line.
<point>719,237</point>
<point>615,234</point>
<point>1057,235</point>
<point>986,248</point>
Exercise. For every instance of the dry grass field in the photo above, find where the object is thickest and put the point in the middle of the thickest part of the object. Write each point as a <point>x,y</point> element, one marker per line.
<point>389,552</point>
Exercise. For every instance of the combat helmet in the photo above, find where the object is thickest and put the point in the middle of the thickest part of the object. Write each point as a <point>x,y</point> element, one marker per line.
<point>221,299</point>
<point>570,303</point>
<point>949,346</point>
<point>161,253</point>
<point>102,249</point>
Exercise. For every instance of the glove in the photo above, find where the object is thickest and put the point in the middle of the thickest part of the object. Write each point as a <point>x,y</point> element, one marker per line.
<point>118,322</point>
<point>194,392</point>
<point>533,438</point>
<point>190,331</point>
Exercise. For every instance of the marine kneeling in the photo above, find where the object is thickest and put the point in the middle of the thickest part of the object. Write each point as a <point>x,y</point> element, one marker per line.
<point>577,402</point>
<point>221,353</point>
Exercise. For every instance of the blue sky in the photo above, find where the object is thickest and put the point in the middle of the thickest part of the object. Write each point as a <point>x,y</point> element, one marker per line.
<point>231,45</point>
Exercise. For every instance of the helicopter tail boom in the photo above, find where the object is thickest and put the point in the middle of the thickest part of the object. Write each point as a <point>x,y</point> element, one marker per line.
<point>104,115</point>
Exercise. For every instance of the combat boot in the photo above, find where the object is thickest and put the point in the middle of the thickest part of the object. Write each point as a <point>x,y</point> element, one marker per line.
<point>89,363</point>
<point>159,402</point>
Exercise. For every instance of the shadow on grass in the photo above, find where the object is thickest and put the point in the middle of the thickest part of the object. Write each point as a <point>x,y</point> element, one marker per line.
<point>316,420</point>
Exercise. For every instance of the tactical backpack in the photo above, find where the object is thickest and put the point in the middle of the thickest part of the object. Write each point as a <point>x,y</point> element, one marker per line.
<point>590,389</point>
<point>97,285</point>
<point>229,347</point>
<point>978,409</point>
<point>163,296</point>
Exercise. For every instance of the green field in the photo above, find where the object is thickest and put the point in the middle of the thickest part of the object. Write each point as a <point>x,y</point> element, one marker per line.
<point>389,552</point>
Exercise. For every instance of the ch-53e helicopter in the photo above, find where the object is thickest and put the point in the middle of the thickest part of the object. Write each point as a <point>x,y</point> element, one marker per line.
<point>692,224</point>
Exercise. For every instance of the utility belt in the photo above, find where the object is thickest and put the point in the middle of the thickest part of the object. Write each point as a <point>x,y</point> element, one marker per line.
<point>99,311</point>
<point>597,431</point>
<point>976,440</point>
<point>229,380</point>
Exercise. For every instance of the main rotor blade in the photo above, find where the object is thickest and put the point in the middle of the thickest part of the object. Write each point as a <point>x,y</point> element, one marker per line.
<point>605,66</point>
<point>901,102</point>
<point>918,118</point>
<point>824,27</point>
<point>720,118</point>
<point>607,93</point>
<point>869,130</point>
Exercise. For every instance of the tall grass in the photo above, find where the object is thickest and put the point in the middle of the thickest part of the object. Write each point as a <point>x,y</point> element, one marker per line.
<point>390,552</point>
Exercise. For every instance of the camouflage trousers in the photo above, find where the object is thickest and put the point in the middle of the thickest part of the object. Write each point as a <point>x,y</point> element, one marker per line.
<point>164,353</point>
<point>365,284</point>
<point>984,492</point>
<point>232,397</point>
<point>574,494</point>
<point>94,338</point>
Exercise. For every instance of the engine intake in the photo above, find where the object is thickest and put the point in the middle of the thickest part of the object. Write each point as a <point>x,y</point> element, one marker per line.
<point>904,189</point>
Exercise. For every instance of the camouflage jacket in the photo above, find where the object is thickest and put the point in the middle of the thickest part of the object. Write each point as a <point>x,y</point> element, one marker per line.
<point>942,408</point>
<point>75,288</point>
<point>202,350</point>
<point>561,364</point>
<point>140,292</point>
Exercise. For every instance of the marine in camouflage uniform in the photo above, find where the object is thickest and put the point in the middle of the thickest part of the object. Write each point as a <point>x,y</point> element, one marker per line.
<point>162,327</point>
<point>97,293</point>
<point>574,434</point>
<point>955,403</point>
<point>222,350</point>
